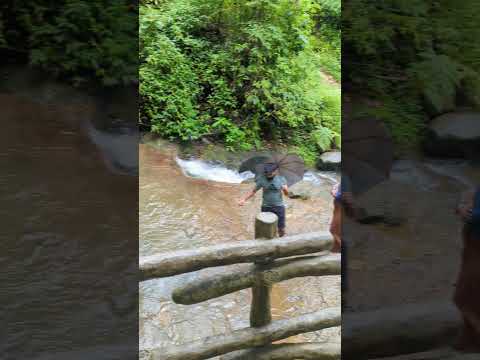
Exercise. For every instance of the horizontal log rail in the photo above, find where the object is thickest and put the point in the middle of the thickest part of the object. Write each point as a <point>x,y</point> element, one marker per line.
<point>249,337</point>
<point>221,284</point>
<point>304,351</point>
<point>437,354</point>
<point>174,263</point>
<point>399,330</point>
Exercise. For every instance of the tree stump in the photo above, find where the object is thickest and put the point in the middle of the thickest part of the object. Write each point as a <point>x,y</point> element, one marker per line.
<point>260,311</point>
<point>266,225</point>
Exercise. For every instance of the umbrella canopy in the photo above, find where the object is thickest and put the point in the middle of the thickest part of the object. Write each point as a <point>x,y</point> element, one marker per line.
<point>252,163</point>
<point>290,166</point>
<point>367,153</point>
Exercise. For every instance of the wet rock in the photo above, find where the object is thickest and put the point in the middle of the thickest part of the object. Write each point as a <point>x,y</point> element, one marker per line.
<point>214,152</point>
<point>206,141</point>
<point>300,191</point>
<point>330,161</point>
<point>248,181</point>
<point>454,135</point>
<point>305,190</point>
<point>384,203</point>
<point>118,148</point>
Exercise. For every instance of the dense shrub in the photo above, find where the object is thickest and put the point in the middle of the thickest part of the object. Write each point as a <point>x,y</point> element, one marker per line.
<point>78,40</point>
<point>415,57</point>
<point>241,72</point>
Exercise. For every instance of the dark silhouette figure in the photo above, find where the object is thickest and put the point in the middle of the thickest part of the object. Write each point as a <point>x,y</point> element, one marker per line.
<point>467,293</point>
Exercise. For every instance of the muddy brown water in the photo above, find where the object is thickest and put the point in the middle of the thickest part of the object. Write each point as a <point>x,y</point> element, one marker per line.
<point>180,212</point>
<point>62,212</point>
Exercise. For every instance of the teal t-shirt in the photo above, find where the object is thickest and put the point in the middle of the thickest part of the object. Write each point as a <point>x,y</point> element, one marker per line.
<point>272,190</point>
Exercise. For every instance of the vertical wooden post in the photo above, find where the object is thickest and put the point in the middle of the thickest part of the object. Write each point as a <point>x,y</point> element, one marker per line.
<point>260,311</point>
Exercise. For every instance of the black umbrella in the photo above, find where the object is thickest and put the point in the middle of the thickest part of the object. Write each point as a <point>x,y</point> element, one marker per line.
<point>252,163</point>
<point>367,153</point>
<point>290,166</point>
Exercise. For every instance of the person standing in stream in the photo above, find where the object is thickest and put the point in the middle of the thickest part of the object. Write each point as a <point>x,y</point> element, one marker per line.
<point>274,186</point>
<point>467,292</point>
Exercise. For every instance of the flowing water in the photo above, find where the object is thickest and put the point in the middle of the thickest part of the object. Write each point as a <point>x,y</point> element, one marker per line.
<point>186,204</point>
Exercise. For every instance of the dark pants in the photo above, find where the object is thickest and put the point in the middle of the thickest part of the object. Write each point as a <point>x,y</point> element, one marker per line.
<point>280,212</point>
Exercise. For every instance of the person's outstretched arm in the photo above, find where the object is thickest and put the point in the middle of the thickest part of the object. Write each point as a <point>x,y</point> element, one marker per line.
<point>285,190</point>
<point>251,194</point>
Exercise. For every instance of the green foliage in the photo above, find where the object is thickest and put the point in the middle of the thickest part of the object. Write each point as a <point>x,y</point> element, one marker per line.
<point>243,73</point>
<point>438,78</point>
<point>328,36</point>
<point>307,152</point>
<point>76,39</point>
<point>405,120</point>
<point>426,49</point>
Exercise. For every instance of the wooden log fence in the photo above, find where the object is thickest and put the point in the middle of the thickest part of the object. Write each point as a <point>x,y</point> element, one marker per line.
<point>218,285</point>
<point>260,310</point>
<point>256,341</point>
<point>306,351</point>
<point>373,334</point>
<point>443,353</point>
<point>399,330</point>
<point>179,262</point>
<point>251,337</point>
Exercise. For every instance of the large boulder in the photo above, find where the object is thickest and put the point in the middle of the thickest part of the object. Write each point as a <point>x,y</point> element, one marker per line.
<point>386,202</point>
<point>301,190</point>
<point>454,135</point>
<point>330,161</point>
<point>305,190</point>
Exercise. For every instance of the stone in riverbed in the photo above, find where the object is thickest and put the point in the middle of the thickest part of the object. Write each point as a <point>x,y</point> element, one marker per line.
<point>250,180</point>
<point>330,161</point>
<point>305,190</point>
<point>298,191</point>
<point>454,135</point>
<point>385,203</point>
